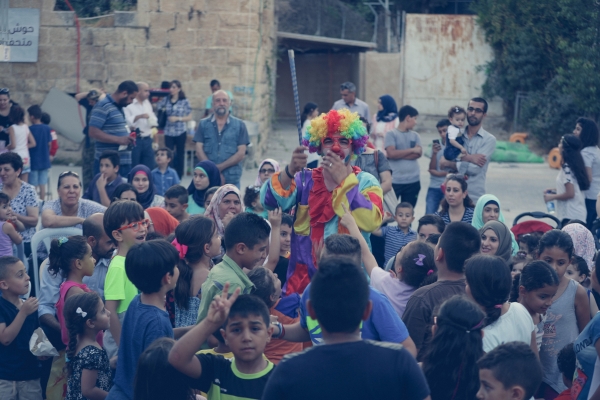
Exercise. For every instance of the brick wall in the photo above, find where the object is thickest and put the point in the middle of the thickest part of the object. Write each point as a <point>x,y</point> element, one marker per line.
<point>193,41</point>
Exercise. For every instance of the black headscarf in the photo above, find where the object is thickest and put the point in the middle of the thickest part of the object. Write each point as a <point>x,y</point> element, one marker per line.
<point>214,179</point>
<point>146,198</point>
<point>390,109</point>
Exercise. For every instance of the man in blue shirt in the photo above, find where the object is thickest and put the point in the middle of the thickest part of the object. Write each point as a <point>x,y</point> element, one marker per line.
<point>222,139</point>
<point>108,125</point>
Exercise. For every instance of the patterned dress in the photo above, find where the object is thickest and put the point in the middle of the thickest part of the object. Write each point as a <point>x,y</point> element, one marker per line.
<point>92,358</point>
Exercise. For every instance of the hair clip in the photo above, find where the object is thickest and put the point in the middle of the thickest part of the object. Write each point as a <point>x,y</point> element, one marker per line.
<point>429,272</point>
<point>181,248</point>
<point>62,240</point>
<point>498,306</point>
<point>81,312</point>
<point>419,260</point>
<point>456,110</point>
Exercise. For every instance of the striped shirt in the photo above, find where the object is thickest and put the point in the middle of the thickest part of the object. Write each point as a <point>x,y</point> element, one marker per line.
<point>109,117</point>
<point>395,239</point>
<point>467,216</point>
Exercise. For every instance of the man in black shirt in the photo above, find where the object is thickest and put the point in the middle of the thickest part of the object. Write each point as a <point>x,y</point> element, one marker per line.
<point>5,105</point>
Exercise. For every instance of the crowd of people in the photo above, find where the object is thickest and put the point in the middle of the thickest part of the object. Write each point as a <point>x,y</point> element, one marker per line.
<point>315,282</point>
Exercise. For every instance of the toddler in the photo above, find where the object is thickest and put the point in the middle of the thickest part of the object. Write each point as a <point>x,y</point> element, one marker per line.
<point>164,176</point>
<point>88,365</point>
<point>454,139</point>
<point>516,264</point>
<point>528,244</point>
<point>252,201</point>
<point>9,225</point>
<point>21,139</point>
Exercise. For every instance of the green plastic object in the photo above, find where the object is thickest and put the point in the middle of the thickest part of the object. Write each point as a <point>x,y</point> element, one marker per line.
<point>509,152</point>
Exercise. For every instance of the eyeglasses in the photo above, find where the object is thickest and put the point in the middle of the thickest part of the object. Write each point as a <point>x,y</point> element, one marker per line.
<point>135,226</point>
<point>342,142</point>
<point>477,110</point>
<point>4,91</point>
<point>267,171</point>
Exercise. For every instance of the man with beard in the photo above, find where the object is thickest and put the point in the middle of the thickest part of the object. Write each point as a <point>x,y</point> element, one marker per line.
<point>321,195</point>
<point>480,144</point>
<point>108,125</point>
<point>222,139</point>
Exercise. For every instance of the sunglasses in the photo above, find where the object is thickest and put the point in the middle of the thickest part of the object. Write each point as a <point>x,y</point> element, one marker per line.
<point>68,173</point>
<point>477,110</point>
<point>4,91</point>
<point>264,171</point>
<point>135,226</point>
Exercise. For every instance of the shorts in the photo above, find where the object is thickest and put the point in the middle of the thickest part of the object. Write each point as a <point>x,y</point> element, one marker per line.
<point>21,390</point>
<point>38,177</point>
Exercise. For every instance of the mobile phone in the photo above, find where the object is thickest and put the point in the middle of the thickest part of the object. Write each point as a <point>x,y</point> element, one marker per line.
<point>436,141</point>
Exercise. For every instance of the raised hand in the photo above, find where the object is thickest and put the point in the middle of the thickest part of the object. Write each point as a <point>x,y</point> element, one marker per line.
<point>347,220</point>
<point>220,306</point>
<point>335,166</point>
<point>299,160</point>
<point>275,217</point>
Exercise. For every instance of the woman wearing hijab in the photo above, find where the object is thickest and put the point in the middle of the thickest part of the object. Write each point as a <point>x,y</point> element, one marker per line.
<point>488,209</point>
<point>140,177</point>
<point>267,168</point>
<point>225,204</point>
<point>583,242</point>
<point>496,240</point>
<point>206,176</point>
<point>162,221</point>
<point>384,121</point>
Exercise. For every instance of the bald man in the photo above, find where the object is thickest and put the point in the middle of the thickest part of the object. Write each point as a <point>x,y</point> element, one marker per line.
<point>139,115</point>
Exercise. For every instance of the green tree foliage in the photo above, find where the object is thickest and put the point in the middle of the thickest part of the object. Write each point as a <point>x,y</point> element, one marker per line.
<point>94,8</point>
<point>550,50</point>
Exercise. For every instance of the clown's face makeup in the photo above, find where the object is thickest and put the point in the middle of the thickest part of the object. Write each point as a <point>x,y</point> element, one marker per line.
<point>337,144</point>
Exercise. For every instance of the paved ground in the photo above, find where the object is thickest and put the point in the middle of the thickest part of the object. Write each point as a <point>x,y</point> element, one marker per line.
<point>518,186</point>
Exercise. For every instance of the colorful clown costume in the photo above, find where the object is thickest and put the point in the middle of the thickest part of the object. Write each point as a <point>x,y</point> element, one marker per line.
<point>318,211</point>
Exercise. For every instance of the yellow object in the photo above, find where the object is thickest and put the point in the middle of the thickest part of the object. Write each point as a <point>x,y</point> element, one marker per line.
<point>518,137</point>
<point>554,158</point>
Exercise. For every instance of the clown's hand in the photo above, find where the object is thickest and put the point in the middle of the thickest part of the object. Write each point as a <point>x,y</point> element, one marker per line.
<point>335,166</point>
<point>299,160</point>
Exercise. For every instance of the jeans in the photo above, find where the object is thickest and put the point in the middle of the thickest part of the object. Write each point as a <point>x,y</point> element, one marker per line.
<point>433,199</point>
<point>590,206</point>
<point>143,153</point>
<point>408,192</point>
<point>177,143</point>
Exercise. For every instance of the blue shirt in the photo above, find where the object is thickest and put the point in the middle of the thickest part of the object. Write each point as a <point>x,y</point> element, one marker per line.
<point>383,324</point>
<point>585,352</point>
<point>92,193</point>
<point>110,119</point>
<point>143,325</point>
<point>40,154</point>
<point>395,239</point>
<point>162,182</point>
<point>220,146</point>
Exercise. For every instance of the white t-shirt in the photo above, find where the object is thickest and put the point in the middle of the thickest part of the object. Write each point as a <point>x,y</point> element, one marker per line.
<point>395,290</point>
<point>591,158</point>
<point>573,208</point>
<point>453,132</point>
<point>515,325</point>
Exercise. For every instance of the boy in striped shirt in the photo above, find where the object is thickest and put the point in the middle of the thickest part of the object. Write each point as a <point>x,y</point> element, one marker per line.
<point>399,236</point>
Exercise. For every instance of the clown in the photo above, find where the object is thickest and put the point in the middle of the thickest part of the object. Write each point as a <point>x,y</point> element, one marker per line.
<point>318,194</point>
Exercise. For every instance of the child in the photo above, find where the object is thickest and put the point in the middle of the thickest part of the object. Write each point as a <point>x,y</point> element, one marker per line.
<point>156,379</point>
<point>252,201</point>
<point>454,139</point>
<point>246,331</point>
<point>398,237</point>
<point>535,288</point>
<point>268,289</point>
<point>585,351</point>
<point>511,371</point>
<point>438,175</point>
<point>40,154</point>
<point>21,139</point>
<point>102,188</point>
<point>246,240</point>
<point>72,258</point>
<point>579,271</point>
<point>285,241</point>
<point>489,284</point>
<point>54,145</point>
<point>124,223</point>
<point>430,225</point>
<point>339,302</point>
<point>164,176</point>
<point>569,313</point>
<point>566,362</point>
<point>450,364</point>
<point>89,369</point>
<point>19,370</point>
<point>528,244</point>
<point>176,202</point>
<point>140,177</point>
<point>9,225</point>
<point>207,178</point>
<point>516,265</point>
<point>197,242</point>
<point>152,267</point>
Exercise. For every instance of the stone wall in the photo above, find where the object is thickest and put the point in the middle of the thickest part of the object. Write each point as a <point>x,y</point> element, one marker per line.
<point>193,41</point>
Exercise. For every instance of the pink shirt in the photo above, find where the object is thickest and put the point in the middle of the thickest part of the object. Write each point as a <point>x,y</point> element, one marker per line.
<point>60,305</point>
<point>395,290</point>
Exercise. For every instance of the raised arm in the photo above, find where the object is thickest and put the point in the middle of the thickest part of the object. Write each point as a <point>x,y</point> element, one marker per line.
<point>367,257</point>
<point>280,190</point>
<point>274,246</point>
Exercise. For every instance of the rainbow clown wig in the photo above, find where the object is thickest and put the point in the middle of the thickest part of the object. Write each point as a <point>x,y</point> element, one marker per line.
<point>344,122</point>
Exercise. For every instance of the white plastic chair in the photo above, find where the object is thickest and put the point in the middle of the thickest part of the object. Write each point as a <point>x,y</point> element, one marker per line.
<point>19,252</point>
<point>46,235</point>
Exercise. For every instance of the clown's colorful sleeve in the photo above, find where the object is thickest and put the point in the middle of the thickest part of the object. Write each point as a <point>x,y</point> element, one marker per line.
<point>273,195</point>
<point>362,195</point>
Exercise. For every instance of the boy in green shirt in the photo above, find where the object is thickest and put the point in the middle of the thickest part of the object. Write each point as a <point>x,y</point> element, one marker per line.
<point>124,223</point>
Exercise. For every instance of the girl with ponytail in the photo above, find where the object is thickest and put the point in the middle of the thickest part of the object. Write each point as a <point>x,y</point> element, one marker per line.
<point>489,283</point>
<point>87,361</point>
<point>450,364</point>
